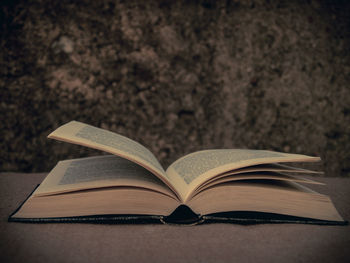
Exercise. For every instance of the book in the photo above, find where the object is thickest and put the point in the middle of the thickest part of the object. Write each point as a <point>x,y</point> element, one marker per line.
<point>131,186</point>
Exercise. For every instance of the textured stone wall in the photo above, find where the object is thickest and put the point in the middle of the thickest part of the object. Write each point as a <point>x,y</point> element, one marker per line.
<point>177,76</point>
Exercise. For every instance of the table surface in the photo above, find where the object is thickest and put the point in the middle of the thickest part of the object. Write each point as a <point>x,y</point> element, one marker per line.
<point>21,242</point>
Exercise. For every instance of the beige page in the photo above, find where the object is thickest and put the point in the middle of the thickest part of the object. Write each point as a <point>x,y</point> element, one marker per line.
<point>99,172</point>
<point>191,171</point>
<point>90,136</point>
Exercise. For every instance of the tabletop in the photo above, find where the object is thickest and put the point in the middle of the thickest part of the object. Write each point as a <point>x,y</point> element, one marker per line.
<point>62,242</point>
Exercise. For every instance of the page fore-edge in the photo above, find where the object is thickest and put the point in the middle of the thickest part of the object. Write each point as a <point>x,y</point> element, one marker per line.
<point>238,217</point>
<point>102,219</point>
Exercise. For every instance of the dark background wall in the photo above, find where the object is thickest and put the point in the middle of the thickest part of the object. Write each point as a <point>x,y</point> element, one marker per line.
<point>177,76</point>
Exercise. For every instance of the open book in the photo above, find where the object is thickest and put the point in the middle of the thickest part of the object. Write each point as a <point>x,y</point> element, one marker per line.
<point>226,185</point>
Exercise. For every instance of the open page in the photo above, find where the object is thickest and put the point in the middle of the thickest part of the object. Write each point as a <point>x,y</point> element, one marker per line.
<point>97,186</point>
<point>90,136</point>
<point>278,197</point>
<point>99,172</point>
<point>263,171</point>
<point>192,170</point>
<point>252,176</point>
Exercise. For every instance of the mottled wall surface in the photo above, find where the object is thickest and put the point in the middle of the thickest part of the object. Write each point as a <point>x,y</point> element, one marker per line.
<point>177,76</point>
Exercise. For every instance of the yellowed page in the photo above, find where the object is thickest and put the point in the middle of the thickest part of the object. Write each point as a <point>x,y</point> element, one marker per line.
<point>252,176</point>
<point>93,137</point>
<point>99,172</point>
<point>192,170</point>
<point>259,171</point>
<point>278,197</point>
<point>111,201</point>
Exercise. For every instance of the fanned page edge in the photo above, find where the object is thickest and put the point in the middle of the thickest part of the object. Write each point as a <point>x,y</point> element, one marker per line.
<point>67,132</point>
<point>213,172</point>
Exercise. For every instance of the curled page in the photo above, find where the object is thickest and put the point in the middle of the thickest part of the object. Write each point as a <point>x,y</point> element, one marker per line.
<point>83,134</point>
